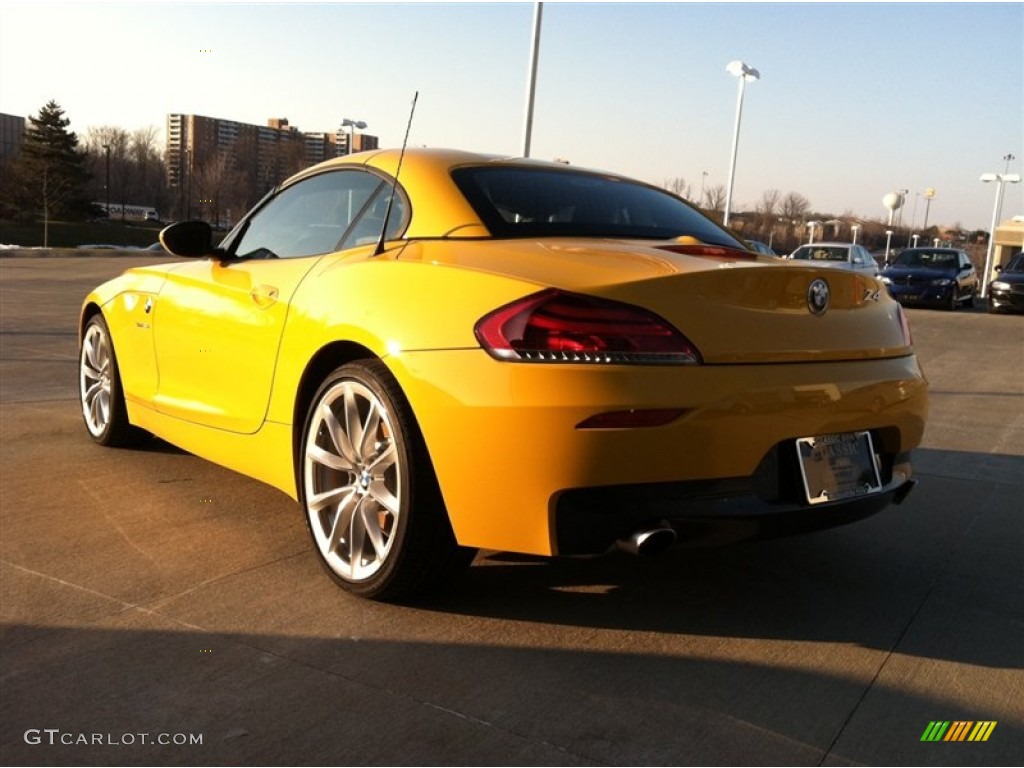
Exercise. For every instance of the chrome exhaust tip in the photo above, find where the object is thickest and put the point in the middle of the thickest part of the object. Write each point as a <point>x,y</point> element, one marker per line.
<point>648,541</point>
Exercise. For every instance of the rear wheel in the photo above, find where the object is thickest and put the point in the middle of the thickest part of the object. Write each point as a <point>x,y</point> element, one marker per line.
<point>99,387</point>
<point>368,488</point>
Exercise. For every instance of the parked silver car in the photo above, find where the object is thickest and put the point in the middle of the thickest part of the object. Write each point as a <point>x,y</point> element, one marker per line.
<point>846,255</point>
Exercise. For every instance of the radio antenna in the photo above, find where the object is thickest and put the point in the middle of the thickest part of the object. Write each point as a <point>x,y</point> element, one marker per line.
<point>394,186</point>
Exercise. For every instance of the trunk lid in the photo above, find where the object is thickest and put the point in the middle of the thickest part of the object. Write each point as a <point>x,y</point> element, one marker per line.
<point>736,307</point>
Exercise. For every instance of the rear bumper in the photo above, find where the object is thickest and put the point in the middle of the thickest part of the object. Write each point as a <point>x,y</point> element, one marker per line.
<point>769,504</point>
<point>922,294</point>
<point>519,473</point>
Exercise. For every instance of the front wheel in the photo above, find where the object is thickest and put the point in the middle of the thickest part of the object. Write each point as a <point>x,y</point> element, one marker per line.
<point>99,388</point>
<point>368,488</point>
<point>951,304</point>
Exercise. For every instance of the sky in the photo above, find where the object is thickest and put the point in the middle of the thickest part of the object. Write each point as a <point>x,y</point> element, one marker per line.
<point>855,100</point>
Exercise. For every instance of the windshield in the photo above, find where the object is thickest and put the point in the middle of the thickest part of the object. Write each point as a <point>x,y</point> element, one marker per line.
<point>541,202</point>
<point>822,253</point>
<point>1016,264</point>
<point>927,259</point>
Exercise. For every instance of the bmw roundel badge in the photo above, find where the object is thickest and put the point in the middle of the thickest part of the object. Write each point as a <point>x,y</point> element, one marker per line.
<point>817,297</point>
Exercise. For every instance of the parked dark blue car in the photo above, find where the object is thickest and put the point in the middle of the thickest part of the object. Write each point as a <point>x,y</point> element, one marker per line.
<point>942,277</point>
<point>1006,292</point>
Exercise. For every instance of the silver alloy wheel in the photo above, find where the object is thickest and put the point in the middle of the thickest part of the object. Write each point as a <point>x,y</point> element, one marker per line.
<point>94,380</point>
<point>352,480</point>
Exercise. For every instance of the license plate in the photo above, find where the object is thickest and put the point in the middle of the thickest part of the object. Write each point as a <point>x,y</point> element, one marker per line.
<point>838,467</point>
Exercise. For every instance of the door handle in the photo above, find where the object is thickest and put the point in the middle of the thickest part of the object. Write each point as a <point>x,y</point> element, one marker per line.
<point>263,295</point>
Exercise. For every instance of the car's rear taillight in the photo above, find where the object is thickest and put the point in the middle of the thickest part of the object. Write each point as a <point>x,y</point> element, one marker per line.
<point>558,327</point>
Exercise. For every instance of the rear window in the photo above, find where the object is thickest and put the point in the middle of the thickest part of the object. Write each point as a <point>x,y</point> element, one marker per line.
<point>927,259</point>
<point>822,253</point>
<point>540,202</point>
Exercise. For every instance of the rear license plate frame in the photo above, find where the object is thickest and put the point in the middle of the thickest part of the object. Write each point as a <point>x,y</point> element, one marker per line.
<point>838,466</point>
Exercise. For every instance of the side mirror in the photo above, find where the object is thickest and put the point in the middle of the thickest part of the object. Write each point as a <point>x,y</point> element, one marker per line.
<point>193,239</point>
<point>999,267</point>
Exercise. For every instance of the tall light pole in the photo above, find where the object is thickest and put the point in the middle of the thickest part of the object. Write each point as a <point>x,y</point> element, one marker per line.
<point>352,125</point>
<point>903,199</point>
<point>888,241</point>
<point>1000,179</point>
<point>913,218</point>
<point>531,82</point>
<point>743,73</point>
<point>188,154</point>
<point>855,228</point>
<point>811,225</point>
<point>106,187</point>
<point>929,194</point>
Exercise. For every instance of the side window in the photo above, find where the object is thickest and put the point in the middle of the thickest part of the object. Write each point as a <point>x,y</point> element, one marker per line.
<point>368,227</point>
<point>308,218</point>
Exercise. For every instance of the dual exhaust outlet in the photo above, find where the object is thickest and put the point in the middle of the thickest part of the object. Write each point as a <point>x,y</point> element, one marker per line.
<point>648,541</point>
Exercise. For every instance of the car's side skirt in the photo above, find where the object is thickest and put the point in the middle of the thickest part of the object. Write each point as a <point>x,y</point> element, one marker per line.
<point>264,455</point>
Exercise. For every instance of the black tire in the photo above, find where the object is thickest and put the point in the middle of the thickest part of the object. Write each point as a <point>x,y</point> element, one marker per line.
<point>368,490</point>
<point>99,389</point>
<point>951,304</point>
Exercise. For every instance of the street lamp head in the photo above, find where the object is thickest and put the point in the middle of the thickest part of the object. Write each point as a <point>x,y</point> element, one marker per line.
<point>739,69</point>
<point>1012,178</point>
<point>346,123</point>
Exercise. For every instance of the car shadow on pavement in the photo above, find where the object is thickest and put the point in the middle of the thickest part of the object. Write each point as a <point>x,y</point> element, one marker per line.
<point>273,700</point>
<point>938,576</point>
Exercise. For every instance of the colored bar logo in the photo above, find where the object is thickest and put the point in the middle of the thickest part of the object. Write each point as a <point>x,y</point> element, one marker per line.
<point>958,730</point>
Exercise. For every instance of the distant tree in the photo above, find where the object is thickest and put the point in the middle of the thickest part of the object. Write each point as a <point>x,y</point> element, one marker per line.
<point>137,174</point>
<point>767,208</point>
<point>9,187</point>
<point>677,186</point>
<point>211,179</point>
<point>50,175</point>
<point>117,141</point>
<point>768,205</point>
<point>795,206</point>
<point>148,167</point>
<point>714,198</point>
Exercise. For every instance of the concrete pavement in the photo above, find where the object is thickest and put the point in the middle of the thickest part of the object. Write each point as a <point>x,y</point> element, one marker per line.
<point>149,592</point>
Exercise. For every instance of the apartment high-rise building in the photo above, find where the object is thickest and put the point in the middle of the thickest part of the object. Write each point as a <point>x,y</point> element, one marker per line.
<point>267,154</point>
<point>12,134</point>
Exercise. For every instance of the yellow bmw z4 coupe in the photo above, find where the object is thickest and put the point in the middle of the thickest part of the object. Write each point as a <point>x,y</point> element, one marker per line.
<point>500,353</point>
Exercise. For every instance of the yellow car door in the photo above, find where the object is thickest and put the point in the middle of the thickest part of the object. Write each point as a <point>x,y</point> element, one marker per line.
<point>218,322</point>
<point>217,327</point>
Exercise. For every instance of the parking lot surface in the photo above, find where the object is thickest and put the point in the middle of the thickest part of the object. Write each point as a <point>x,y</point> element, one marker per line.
<point>149,598</point>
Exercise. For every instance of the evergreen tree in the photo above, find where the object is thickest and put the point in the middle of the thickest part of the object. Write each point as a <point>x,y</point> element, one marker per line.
<point>51,171</point>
